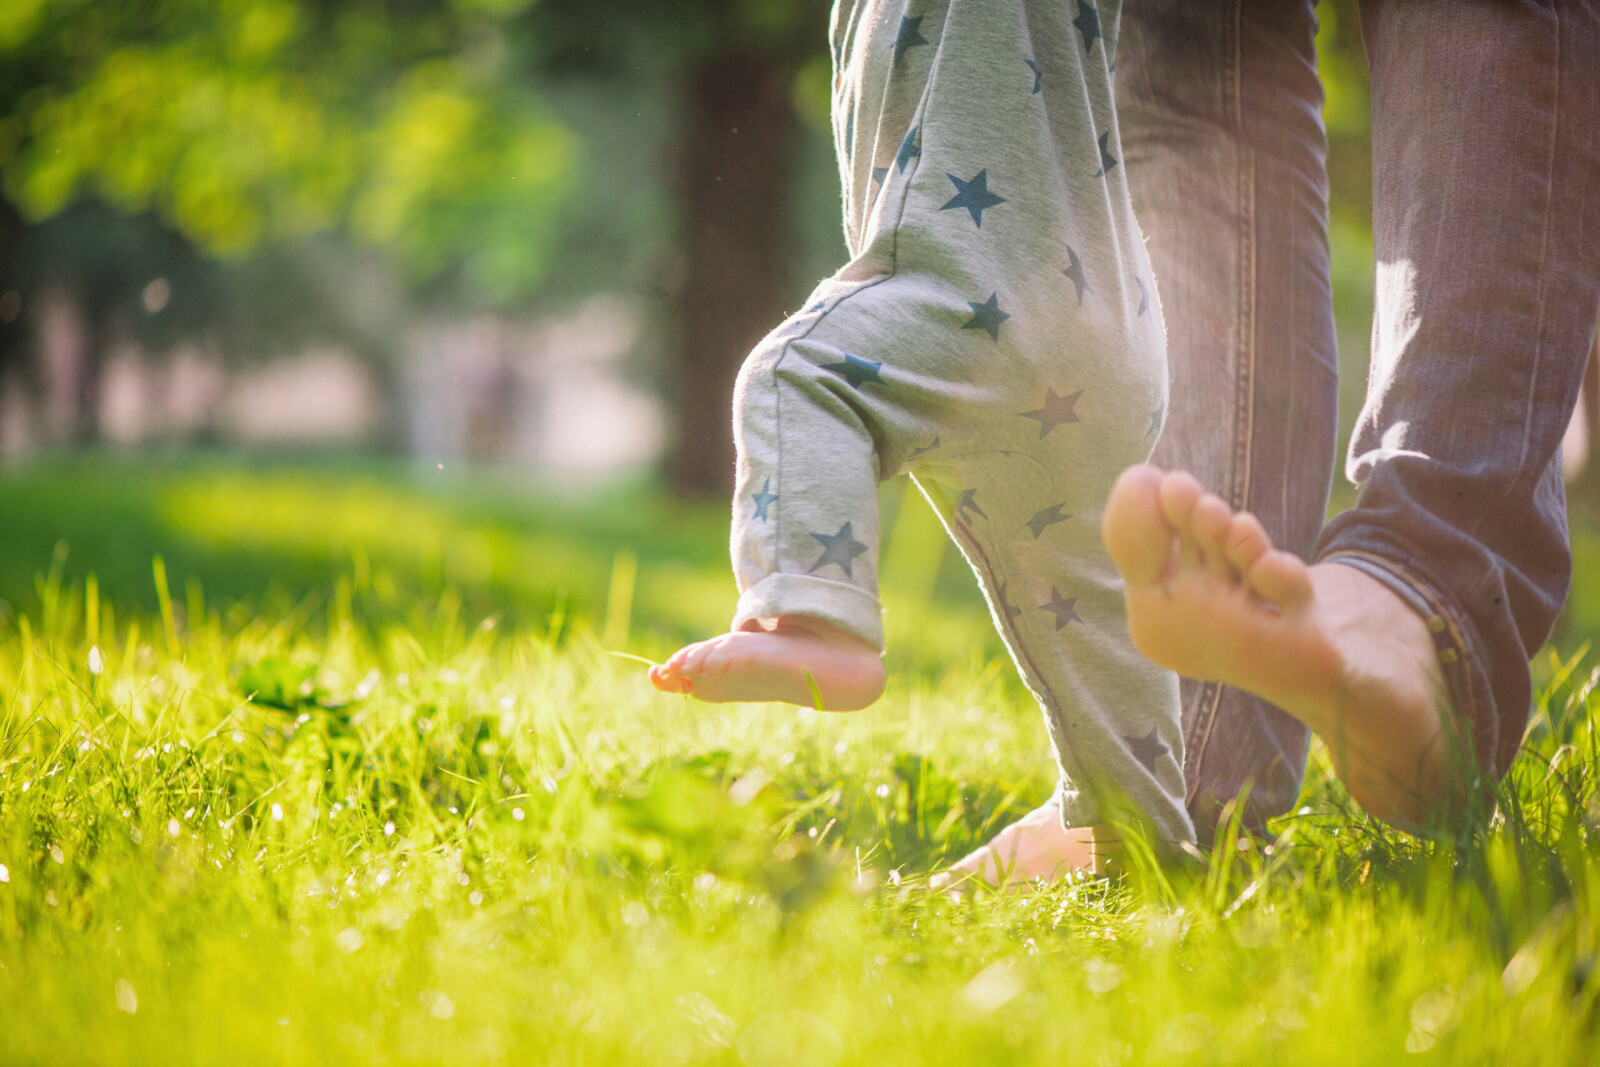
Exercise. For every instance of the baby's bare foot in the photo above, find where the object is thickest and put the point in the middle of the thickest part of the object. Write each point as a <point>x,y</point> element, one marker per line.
<point>772,662</point>
<point>1034,847</point>
<point>1209,597</point>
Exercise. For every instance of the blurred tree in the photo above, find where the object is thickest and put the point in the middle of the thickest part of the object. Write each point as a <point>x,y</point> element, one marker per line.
<point>234,131</point>
<point>739,67</point>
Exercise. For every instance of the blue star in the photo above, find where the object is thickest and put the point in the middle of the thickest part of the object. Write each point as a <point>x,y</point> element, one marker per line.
<point>908,39</point>
<point>1075,272</point>
<point>763,499</point>
<point>1088,23</point>
<point>1147,749</point>
<point>1061,607</point>
<point>818,306</point>
<point>1156,418</point>
<point>1056,410</point>
<point>969,502</point>
<point>1046,518</point>
<point>909,149</point>
<point>1107,160</point>
<point>1038,81</point>
<point>856,370</point>
<point>986,316</point>
<point>1144,298</point>
<point>841,548</point>
<point>973,195</point>
<point>878,174</point>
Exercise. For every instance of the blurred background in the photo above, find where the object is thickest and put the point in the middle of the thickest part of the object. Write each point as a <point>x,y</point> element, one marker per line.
<point>284,281</point>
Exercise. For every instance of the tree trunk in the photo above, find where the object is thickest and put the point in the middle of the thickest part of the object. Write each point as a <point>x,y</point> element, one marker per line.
<point>737,170</point>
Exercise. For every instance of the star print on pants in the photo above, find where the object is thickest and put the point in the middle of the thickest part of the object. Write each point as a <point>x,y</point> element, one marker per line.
<point>841,548</point>
<point>929,447</point>
<point>908,38</point>
<point>1107,160</point>
<point>1038,79</point>
<point>1056,410</point>
<point>1147,749</point>
<point>1074,272</point>
<point>1061,607</point>
<point>973,195</point>
<point>1088,23</point>
<point>857,371</point>
<point>763,499</point>
<point>986,316</point>
<point>909,149</point>
<point>1005,604</point>
<point>1045,519</point>
<point>878,174</point>
<point>1156,418</point>
<point>969,502</point>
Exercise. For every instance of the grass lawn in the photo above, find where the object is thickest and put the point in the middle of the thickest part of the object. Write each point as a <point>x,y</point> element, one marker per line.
<point>449,828</point>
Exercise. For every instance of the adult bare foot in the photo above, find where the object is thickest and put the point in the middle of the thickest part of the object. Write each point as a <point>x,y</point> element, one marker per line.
<point>1034,847</point>
<point>771,661</point>
<point>1209,597</point>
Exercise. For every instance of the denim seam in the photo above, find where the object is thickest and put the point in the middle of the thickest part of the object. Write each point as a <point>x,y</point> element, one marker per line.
<point>1210,696</point>
<point>1450,644</point>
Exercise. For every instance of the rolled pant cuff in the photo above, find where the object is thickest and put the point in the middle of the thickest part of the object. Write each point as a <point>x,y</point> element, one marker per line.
<point>848,607</point>
<point>1454,641</point>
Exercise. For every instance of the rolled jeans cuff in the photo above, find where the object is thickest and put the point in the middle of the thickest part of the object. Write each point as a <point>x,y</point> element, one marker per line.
<point>1456,644</point>
<point>851,609</point>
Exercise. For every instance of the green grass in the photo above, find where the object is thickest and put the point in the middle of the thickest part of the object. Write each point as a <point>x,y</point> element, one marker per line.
<point>448,827</point>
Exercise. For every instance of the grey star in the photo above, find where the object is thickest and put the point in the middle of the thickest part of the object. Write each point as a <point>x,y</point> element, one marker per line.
<point>986,316</point>
<point>1144,298</point>
<point>1156,418</point>
<point>969,502</point>
<point>763,499</point>
<point>1038,79</point>
<point>1061,607</point>
<point>973,195</point>
<point>929,447</point>
<point>909,149</point>
<point>1056,410</point>
<point>1074,271</point>
<point>1046,518</point>
<point>908,38</point>
<point>1107,160</point>
<point>857,371</point>
<point>1147,749</point>
<point>841,548</point>
<point>1088,23</point>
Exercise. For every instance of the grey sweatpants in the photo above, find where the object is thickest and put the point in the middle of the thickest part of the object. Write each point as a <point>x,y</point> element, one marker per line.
<point>995,334</point>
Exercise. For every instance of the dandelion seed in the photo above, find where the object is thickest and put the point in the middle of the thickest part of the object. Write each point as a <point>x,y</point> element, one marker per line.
<point>135,836</point>
<point>453,811</point>
<point>705,881</point>
<point>882,791</point>
<point>516,813</point>
<point>840,749</point>
<point>58,855</point>
<point>508,702</point>
<point>238,738</point>
<point>349,940</point>
<point>277,813</point>
<point>173,829</point>
<point>475,898</point>
<point>167,747</point>
<point>388,828</point>
<point>463,879</point>
<point>188,815</point>
<point>5,874</point>
<point>127,998</point>
<point>548,782</point>
<point>50,897</point>
<point>97,662</point>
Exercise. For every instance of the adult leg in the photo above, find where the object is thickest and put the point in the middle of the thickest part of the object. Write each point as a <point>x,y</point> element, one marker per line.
<point>1220,110</point>
<point>1450,570</point>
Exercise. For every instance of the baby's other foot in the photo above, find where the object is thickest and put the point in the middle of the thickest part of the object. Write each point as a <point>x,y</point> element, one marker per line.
<point>1036,847</point>
<point>771,661</point>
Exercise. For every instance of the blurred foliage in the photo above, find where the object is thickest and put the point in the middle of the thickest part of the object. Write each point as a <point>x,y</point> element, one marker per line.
<point>245,122</point>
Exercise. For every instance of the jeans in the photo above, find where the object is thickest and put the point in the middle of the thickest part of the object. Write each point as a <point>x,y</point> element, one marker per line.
<point>1487,236</point>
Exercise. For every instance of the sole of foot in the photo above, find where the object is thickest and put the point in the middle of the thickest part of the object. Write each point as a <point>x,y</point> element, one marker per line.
<point>1035,848</point>
<point>777,660</point>
<point>1210,597</point>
